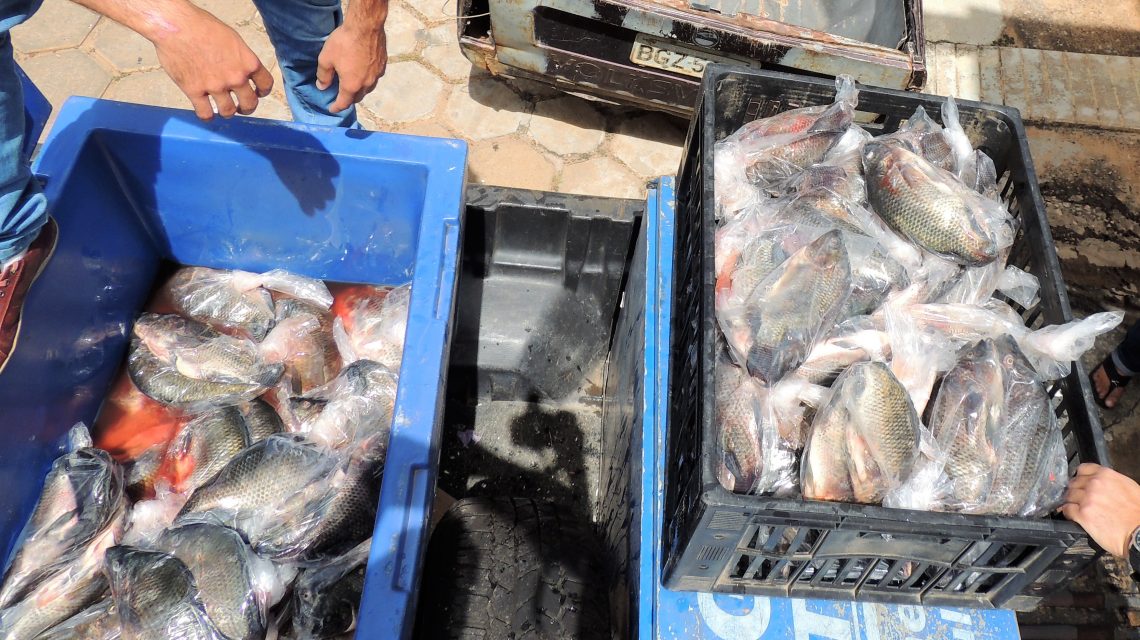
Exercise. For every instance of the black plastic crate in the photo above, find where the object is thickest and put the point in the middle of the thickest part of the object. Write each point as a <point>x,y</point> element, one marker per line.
<point>719,541</point>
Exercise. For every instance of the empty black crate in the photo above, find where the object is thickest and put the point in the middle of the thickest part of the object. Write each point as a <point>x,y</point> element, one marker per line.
<point>718,541</point>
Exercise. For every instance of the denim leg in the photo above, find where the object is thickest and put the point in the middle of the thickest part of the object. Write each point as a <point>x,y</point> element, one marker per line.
<point>23,208</point>
<point>298,29</point>
<point>1126,356</point>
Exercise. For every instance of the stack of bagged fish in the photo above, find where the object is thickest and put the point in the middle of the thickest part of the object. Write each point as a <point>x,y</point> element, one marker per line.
<point>234,489</point>
<point>871,348</point>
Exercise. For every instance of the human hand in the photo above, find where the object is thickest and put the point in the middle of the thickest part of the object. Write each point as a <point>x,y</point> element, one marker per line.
<point>357,56</point>
<point>209,60</point>
<point>1106,504</point>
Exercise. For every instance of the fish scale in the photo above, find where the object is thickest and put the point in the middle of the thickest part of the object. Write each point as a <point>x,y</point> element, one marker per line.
<point>884,419</point>
<point>737,422</point>
<point>157,597</point>
<point>259,481</point>
<point>218,559</point>
<point>209,296</point>
<point>902,188</point>
<point>783,326</point>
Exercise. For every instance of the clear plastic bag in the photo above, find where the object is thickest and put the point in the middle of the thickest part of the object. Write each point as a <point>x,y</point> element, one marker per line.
<point>865,439</point>
<point>156,596</point>
<point>934,209</point>
<point>1019,286</point>
<point>239,302</point>
<point>326,598</point>
<point>1052,349</point>
<point>340,517</point>
<point>82,496</point>
<point>234,585</point>
<point>774,328</point>
<point>855,340</point>
<point>186,364</point>
<point>960,147</point>
<point>311,356</point>
<point>775,149</point>
<point>376,328</point>
<point>74,587</point>
<point>1026,446</point>
<point>966,420</point>
<point>357,404</point>
<point>97,622</point>
<point>918,355</point>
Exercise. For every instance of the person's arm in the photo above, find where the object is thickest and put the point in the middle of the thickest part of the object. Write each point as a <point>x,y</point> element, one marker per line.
<point>1107,505</point>
<point>204,57</point>
<point>355,53</point>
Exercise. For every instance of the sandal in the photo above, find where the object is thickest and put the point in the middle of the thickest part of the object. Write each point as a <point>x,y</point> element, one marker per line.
<point>1116,380</point>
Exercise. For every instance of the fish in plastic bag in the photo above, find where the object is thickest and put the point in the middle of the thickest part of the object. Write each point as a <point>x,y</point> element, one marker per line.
<point>770,151</point>
<point>67,592</point>
<point>156,597</point>
<point>772,332</point>
<point>239,302</point>
<point>339,518</point>
<point>966,422</point>
<point>185,364</point>
<point>97,622</point>
<point>375,324</point>
<point>932,208</point>
<point>356,404</point>
<point>208,442</point>
<point>312,358</point>
<point>865,439</point>
<point>81,496</point>
<point>739,419</point>
<point>262,486</point>
<point>326,598</point>
<point>235,586</point>
<point>1027,440</point>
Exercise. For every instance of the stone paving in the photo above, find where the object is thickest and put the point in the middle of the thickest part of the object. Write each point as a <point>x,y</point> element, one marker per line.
<point>521,134</point>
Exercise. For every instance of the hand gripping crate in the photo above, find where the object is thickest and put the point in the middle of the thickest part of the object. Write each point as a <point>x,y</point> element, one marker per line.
<point>715,540</point>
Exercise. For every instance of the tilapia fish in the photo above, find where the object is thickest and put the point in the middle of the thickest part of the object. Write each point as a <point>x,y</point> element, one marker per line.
<point>97,622</point>
<point>789,155</point>
<point>315,359</point>
<point>261,421</point>
<point>205,445</point>
<point>222,566</point>
<point>67,592</point>
<point>254,489</point>
<point>222,300</point>
<point>786,313</point>
<point>339,519</point>
<point>864,441</point>
<point>1023,447</point>
<point>738,420</point>
<point>965,421</point>
<point>157,597</point>
<point>931,208</point>
<point>326,598</point>
<point>184,363</point>
<point>82,494</point>
<point>359,402</point>
<point>823,471</point>
<point>884,434</point>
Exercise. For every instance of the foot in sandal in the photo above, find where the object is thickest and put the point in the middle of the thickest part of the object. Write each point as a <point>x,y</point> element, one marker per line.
<point>1108,383</point>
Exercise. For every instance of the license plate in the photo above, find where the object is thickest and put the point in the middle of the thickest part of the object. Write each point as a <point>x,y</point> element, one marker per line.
<point>649,52</point>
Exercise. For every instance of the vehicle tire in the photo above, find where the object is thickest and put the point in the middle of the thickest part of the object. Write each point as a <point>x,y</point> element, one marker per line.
<point>511,568</point>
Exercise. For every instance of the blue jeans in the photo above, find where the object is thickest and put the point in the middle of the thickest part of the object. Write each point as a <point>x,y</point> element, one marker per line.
<point>298,29</point>
<point>23,208</point>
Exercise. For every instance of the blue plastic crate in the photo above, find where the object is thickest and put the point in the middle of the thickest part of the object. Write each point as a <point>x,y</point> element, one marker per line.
<point>133,186</point>
<point>637,403</point>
